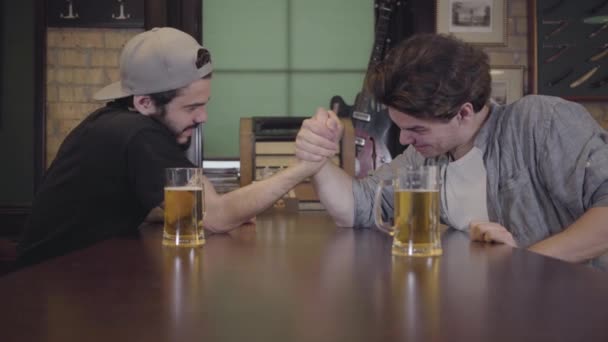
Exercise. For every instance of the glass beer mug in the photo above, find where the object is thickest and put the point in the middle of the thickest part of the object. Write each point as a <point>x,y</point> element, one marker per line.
<point>184,207</point>
<point>415,227</point>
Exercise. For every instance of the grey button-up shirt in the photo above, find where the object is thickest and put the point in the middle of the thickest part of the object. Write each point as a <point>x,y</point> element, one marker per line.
<point>546,161</point>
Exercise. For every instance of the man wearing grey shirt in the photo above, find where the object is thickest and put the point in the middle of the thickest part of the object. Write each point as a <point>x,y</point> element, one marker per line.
<point>532,174</point>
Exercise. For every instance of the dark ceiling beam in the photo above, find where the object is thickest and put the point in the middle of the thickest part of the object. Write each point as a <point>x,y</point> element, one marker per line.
<point>185,15</point>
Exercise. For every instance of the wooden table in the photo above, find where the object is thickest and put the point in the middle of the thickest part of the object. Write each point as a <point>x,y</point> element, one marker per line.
<point>299,278</point>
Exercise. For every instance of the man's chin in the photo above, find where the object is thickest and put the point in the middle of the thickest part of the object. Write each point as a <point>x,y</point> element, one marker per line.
<point>424,150</point>
<point>184,143</point>
<point>430,153</point>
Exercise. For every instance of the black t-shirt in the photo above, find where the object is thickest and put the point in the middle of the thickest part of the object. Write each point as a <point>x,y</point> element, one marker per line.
<point>107,176</point>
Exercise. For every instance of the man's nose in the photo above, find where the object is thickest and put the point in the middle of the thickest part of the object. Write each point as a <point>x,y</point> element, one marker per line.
<point>201,117</point>
<point>406,138</point>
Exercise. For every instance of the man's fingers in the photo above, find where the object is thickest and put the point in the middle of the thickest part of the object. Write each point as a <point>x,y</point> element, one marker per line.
<point>481,231</point>
<point>310,133</point>
<point>490,232</point>
<point>319,128</point>
<point>316,140</point>
<point>334,123</point>
<point>310,157</point>
<point>475,233</point>
<point>487,237</point>
<point>507,238</point>
<point>321,115</point>
<point>322,148</point>
<point>330,121</point>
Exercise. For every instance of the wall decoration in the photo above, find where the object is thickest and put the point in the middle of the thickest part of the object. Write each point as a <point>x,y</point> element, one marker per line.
<point>100,13</point>
<point>507,83</point>
<point>480,22</point>
<point>569,49</point>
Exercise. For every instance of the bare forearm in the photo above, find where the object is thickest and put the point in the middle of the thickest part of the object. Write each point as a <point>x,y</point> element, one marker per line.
<point>585,239</point>
<point>236,207</point>
<point>335,190</point>
<point>155,215</point>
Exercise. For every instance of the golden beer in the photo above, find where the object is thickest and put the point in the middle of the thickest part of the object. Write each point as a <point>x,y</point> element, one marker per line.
<point>416,222</point>
<point>183,216</point>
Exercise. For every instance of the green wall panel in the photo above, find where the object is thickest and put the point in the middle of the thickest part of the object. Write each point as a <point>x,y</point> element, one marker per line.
<point>236,95</point>
<point>313,90</point>
<point>245,34</point>
<point>331,34</point>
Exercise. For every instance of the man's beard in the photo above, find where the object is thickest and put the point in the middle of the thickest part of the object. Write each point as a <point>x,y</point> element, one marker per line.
<point>185,146</point>
<point>160,116</point>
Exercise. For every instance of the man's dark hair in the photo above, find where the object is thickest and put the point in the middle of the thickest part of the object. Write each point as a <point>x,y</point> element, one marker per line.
<point>430,76</point>
<point>161,99</point>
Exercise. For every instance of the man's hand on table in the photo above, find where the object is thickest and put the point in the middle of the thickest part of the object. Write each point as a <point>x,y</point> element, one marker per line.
<point>490,232</point>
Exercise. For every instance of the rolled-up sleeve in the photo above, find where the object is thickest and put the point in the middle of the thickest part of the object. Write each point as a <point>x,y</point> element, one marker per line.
<point>574,160</point>
<point>596,173</point>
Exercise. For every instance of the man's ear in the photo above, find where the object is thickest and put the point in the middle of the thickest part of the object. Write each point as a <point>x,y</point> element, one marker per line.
<point>144,104</point>
<point>466,112</point>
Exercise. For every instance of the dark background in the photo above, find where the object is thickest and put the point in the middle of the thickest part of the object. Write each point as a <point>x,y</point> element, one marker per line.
<point>576,57</point>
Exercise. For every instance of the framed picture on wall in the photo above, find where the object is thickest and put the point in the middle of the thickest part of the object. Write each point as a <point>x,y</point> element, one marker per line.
<point>482,22</point>
<point>569,49</point>
<point>507,83</point>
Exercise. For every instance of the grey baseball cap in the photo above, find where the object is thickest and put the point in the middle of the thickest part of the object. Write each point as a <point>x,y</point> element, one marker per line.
<point>158,60</point>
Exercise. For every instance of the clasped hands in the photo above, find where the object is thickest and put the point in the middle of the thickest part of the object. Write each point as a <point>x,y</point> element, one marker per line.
<point>319,137</point>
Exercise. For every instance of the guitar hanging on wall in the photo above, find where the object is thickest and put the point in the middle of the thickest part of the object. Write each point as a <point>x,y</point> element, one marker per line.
<point>370,119</point>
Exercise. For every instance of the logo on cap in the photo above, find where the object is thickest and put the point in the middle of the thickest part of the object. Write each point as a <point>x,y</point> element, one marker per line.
<point>202,57</point>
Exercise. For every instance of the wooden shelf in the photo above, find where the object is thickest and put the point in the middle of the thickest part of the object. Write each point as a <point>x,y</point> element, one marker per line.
<point>252,147</point>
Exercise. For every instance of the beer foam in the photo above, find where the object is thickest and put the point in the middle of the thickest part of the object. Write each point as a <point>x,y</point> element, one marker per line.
<point>184,188</point>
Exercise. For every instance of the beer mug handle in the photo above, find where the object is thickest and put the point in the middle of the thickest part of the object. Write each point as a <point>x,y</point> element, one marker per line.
<point>203,203</point>
<point>383,226</point>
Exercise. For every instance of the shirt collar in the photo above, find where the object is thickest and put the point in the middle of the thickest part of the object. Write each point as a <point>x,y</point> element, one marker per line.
<point>487,130</point>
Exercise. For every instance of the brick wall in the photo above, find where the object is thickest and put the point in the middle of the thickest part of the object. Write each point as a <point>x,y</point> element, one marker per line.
<point>79,62</point>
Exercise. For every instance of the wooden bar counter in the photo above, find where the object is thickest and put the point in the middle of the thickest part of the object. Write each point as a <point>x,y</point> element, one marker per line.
<point>296,277</point>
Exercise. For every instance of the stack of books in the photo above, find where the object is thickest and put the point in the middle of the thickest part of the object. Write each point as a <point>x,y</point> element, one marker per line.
<point>224,175</point>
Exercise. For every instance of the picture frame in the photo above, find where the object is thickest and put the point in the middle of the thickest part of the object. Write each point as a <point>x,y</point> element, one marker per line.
<point>568,49</point>
<point>507,83</point>
<point>480,22</point>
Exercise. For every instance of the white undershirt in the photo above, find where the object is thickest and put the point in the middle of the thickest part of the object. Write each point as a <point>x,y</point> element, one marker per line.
<point>465,190</point>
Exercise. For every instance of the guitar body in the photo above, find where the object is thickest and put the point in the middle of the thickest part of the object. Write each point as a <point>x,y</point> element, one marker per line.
<point>374,131</point>
<point>377,141</point>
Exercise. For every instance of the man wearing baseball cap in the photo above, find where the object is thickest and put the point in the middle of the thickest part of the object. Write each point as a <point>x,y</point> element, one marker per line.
<point>108,174</point>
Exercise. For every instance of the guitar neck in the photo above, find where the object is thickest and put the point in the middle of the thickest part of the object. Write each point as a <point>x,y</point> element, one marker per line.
<point>380,35</point>
<point>385,9</point>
